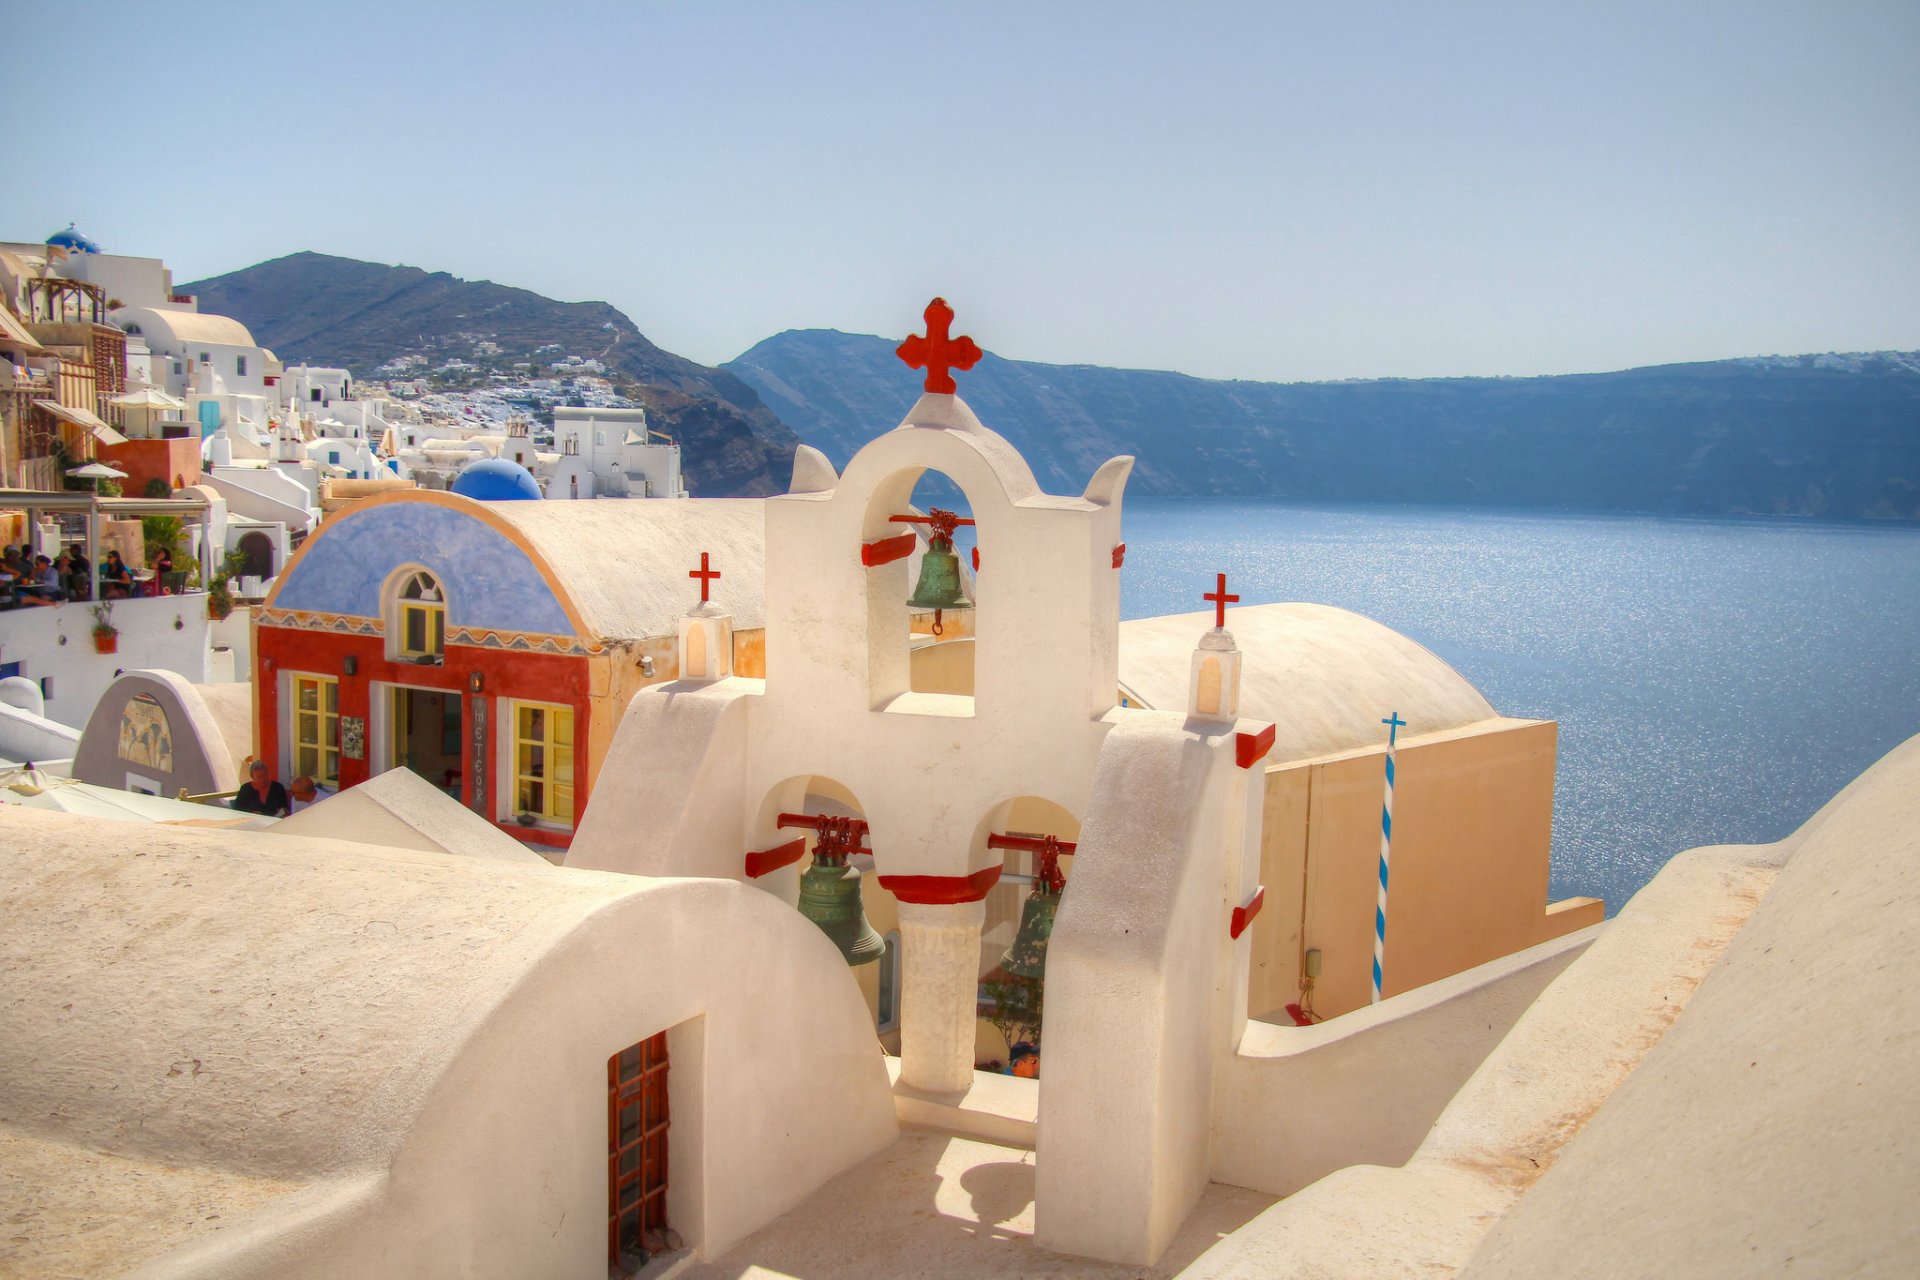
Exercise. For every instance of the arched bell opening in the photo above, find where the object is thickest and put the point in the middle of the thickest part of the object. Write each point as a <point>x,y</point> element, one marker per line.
<point>1033,838</point>
<point>922,609</point>
<point>831,881</point>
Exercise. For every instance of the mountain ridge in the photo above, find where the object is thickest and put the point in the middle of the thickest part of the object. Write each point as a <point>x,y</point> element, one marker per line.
<point>353,314</point>
<point>1836,436</point>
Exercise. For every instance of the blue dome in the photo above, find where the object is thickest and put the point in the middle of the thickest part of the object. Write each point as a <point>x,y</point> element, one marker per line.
<point>71,239</point>
<point>496,480</point>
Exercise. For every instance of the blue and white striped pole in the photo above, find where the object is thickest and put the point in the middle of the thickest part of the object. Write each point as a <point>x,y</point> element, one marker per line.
<point>1394,725</point>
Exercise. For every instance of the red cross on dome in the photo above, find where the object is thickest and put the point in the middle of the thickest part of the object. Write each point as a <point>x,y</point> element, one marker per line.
<point>937,352</point>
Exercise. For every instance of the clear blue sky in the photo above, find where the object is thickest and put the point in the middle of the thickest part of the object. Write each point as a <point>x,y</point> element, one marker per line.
<point>1275,190</point>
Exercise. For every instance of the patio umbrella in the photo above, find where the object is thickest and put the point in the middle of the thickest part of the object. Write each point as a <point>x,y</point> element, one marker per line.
<point>148,398</point>
<point>96,472</point>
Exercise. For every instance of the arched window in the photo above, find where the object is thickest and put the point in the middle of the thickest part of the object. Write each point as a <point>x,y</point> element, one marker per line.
<point>418,618</point>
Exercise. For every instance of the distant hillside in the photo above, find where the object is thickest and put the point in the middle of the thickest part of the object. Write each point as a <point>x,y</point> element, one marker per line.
<point>357,315</point>
<point>1833,436</point>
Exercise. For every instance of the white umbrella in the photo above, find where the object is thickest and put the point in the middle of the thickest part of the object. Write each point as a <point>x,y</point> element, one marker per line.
<point>97,471</point>
<point>148,398</point>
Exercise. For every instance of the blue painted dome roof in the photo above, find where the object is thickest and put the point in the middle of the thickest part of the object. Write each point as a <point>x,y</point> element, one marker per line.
<point>71,239</point>
<point>496,480</point>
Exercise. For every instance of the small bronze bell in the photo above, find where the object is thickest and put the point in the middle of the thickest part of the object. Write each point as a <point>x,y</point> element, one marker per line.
<point>1027,956</point>
<point>830,889</point>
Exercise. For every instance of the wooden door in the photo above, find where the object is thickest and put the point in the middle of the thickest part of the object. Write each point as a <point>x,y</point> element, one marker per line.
<point>636,1147</point>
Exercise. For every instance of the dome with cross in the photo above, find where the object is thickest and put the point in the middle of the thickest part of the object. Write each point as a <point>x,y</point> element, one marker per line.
<point>72,240</point>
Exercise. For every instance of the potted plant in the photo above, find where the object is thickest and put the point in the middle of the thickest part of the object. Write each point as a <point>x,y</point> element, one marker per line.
<point>220,588</point>
<point>106,636</point>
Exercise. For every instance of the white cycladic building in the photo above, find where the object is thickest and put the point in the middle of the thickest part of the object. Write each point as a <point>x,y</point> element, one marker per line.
<point>312,388</point>
<point>610,453</point>
<point>183,341</point>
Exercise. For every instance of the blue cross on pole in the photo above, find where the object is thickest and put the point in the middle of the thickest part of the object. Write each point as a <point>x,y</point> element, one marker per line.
<point>1394,726</point>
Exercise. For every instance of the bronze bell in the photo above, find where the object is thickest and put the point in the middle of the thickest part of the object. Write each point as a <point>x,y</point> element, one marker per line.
<point>941,586</point>
<point>1027,956</point>
<point>830,897</point>
<point>830,889</point>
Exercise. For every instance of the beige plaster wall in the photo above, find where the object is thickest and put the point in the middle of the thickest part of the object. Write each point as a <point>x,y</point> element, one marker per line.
<point>1773,1130</point>
<point>1472,828</point>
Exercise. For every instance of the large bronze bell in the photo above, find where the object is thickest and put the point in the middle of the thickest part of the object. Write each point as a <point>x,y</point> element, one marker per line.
<point>830,897</point>
<point>1027,956</point>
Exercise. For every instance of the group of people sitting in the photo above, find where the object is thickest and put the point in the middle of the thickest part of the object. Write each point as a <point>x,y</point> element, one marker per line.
<point>42,580</point>
<point>31,581</point>
<point>262,793</point>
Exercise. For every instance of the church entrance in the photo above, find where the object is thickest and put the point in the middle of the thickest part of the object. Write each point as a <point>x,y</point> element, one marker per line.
<point>425,736</point>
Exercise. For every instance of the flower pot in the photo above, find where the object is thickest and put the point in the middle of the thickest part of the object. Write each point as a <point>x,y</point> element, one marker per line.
<point>106,642</point>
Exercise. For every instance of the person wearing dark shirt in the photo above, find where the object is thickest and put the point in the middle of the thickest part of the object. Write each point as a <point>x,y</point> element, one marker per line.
<point>115,576</point>
<point>261,794</point>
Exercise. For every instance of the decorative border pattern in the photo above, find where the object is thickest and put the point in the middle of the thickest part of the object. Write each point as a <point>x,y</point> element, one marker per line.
<point>476,637</point>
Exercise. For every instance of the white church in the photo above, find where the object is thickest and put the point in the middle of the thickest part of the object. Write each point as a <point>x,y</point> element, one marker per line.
<point>381,1040</point>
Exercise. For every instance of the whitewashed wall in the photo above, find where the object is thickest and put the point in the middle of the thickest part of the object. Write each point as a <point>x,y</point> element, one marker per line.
<point>58,642</point>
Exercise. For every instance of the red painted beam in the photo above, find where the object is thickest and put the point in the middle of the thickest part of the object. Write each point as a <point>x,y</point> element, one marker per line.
<point>942,891</point>
<point>1243,916</point>
<point>886,550</point>
<point>1119,554</point>
<point>1250,747</point>
<point>758,864</point>
<point>976,559</point>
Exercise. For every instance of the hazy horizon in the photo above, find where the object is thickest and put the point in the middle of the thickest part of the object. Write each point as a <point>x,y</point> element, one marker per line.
<point>1270,192</point>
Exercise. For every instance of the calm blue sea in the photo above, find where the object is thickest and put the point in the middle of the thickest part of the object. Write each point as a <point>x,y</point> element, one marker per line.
<point>1716,681</point>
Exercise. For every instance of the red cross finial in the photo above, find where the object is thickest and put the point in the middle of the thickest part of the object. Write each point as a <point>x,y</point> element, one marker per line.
<point>705,575</point>
<point>1220,600</point>
<point>937,353</point>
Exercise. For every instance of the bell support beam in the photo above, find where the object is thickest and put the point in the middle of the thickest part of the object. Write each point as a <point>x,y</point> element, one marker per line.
<point>759,864</point>
<point>886,550</point>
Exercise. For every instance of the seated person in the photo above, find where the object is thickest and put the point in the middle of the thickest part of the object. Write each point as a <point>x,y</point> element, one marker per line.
<point>42,586</point>
<point>162,566</point>
<point>116,580</point>
<point>306,792</point>
<point>261,794</point>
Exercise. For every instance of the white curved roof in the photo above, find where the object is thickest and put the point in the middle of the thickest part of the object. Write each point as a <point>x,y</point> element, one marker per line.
<point>184,327</point>
<point>1325,677</point>
<point>626,560</point>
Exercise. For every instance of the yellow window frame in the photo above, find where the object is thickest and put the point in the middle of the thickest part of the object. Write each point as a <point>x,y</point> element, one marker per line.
<point>316,728</point>
<point>542,761</point>
<point>433,626</point>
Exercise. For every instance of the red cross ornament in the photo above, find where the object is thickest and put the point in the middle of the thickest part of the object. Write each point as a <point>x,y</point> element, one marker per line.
<point>936,352</point>
<point>705,575</point>
<point>1220,600</point>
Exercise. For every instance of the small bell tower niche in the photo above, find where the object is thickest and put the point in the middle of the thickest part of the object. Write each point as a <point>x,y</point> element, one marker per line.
<point>706,634</point>
<point>1213,691</point>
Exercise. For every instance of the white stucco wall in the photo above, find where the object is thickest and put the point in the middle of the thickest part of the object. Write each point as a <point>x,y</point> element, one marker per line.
<point>58,642</point>
<point>415,1043</point>
<point>1145,988</point>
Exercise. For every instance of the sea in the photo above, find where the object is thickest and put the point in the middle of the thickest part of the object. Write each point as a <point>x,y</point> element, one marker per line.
<point>1715,680</point>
